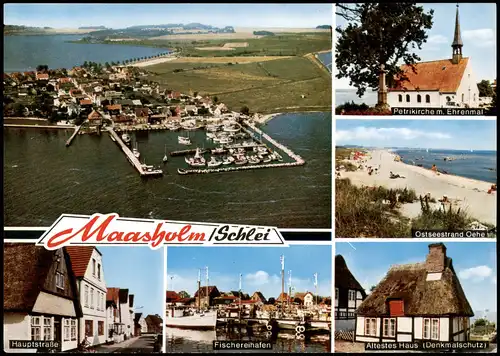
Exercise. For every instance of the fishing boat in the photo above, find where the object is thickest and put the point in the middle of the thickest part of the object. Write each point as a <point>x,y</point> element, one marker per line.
<point>197,161</point>
<point>227,160</point>
<point>183,318</point>
<point>253,160</point>
<point>172,126</point>
<point>214,162</point>
<point>212,128</point>
<point>240,160</point>
<point>126,138</point>
<point>165,158</point>
<point>136,152</point>
<point>218,150</point>
<point>182,171</point>
<point>183,140</point>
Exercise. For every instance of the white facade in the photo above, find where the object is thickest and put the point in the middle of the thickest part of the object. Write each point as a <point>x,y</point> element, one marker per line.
<point>409,329</point>
<point>467,95</point>
<point>92,290</point>
<point>125,318</point>
<point>143,324</point>
<point>308,300</point>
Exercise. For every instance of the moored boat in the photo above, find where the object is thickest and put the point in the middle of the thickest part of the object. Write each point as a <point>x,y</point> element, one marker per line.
<point>184,140</point>
<point>214,162</point>
<point>183,318</point>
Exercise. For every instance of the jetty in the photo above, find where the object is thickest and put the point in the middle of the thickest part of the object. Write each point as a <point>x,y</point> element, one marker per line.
<point>241,168</point>
<point>187,152</point>
<point>141,168</point>
<point>77,129</point>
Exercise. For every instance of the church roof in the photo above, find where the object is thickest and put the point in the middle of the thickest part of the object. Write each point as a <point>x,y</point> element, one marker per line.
<point>441,75</point>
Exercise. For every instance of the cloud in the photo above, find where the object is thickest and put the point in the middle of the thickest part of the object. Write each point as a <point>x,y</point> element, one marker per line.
<point>437,39</point>
<point>484,37</point>
<point>476,274</point>
<point>260,278</point>
<point>372,133</point>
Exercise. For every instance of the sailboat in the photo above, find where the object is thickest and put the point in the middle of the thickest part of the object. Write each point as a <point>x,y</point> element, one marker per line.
<point>136,152</point>
<point>165,158</point>
<point>184,140</point>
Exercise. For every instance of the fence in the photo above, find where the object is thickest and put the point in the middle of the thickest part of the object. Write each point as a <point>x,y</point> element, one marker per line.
<point>345,335</point>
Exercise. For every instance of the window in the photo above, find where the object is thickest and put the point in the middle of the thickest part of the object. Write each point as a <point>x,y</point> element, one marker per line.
<point>407,98</point>
<point>427,98</point>
<point>67,331</point>
<point>419,98</point>
<point>73,329</point>
<point>389,327</point>
<point>370,326</point>
<point>91,298</point>
<point>474,97</point>
<point>89,328</point>
<point>98,271</point>
<point>448,99</point>
<point>400,98</point>
<point>336,293</point>
<point>59,280</point>
<point>351,295</point>
<point>36,331</point>
<point>86,295</point>
<point>47,328</point>
<point>435,329</point>
<point>100,327</point>
<point>93,266</point>
<point>463,97</point>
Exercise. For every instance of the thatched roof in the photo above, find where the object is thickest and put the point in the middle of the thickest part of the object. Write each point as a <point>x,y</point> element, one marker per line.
<point>421,297</point>
<point>344,278</point>
<point>25,274</point>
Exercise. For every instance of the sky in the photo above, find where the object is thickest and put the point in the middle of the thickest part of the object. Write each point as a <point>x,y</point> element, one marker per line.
<point>438,134</point>
<point>260,268</point>
<point>474,263</point>
<point>140,269</point>
<point>478,28</point>
<point>125,15</point>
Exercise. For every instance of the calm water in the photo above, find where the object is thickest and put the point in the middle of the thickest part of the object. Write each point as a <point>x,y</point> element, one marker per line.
<point>43,179</point>
<point>480,165</point>
<point>24,53</point>
<point>343,96</point>
<point>326,59</point>
<point>192,341</point>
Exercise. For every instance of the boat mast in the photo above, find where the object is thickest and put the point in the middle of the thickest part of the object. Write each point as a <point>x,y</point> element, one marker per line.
<point>208,299</point>
<point>199,288</point>
<point>240,295</point>
<point>316,287</point>
<point>282,258</point>
<point>289,288</point>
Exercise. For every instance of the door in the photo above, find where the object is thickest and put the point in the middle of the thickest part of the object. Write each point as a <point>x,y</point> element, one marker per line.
<point>57,330</point>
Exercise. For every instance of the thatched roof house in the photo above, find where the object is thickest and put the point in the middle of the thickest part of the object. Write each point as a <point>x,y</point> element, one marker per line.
<point>425,299</point>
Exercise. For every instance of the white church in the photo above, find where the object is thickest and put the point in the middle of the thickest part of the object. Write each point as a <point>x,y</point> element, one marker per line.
<point>445,83</point>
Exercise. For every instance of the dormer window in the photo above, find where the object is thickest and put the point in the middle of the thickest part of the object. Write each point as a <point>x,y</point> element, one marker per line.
<point>59,280</point>
<point>98,271</point>
<point>93,266</point>
<point>352,295</point>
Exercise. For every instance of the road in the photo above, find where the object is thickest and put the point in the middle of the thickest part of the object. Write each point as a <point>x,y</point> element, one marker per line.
<point>144,344</point>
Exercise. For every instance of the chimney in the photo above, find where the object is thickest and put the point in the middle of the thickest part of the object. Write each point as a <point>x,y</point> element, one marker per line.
<point>436,258</point>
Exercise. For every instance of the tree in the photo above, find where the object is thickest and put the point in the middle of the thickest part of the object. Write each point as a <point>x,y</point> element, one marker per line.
<point>245,110</point>
<point>372,288</point>
<point>377,38</point>
<point>215,99</point>
<point>42,68</point>
<point>184,294</point>
<point>271,301</point>
<point>485,88</point>
<point>480,322</point>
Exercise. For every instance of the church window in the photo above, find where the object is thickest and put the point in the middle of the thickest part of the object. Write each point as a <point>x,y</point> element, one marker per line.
<point>407,98</point>
<point>427,98</point>
<point>463,97</point>
<point>400,97</point>
<point>419,98</point>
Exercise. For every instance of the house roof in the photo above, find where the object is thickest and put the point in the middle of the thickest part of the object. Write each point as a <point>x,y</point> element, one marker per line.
<point>153,320</point>
<point>282,297</point>
<point>440,75</point>
<point>259,295</point>
<point>420,296</point>
<point>95,115</point>
<point>25,271</point>
<point>112,294</point>
<point>114,107</point>
<point>344,279</point>
<point>186,300</point>
<point>80,258</point>
<point>123,296</point>
<point>299,296</point>
<point>42,76</point>
<point>171,296</point>
<point>137,317</point>
<point>85,102</point>
<point>141,111</point>
<point>203,290</point>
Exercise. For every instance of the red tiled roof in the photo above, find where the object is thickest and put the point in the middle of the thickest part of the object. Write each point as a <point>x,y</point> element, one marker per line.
<point>86,102</point>
<point>64,80</point>
<point>114,107</point>
<point>283,297</point>
<point>440,75</point>
<point>80,258</point>
<point>42,76</point>
<point>172,296</point>
<point>94,115</point>
<point>112,295</point>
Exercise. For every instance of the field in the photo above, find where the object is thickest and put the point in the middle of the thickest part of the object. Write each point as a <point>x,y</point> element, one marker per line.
<point>264,84</point>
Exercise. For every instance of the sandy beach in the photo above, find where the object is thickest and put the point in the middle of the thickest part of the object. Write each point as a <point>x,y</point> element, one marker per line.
<point>466,193</point>
<point>153,61</point>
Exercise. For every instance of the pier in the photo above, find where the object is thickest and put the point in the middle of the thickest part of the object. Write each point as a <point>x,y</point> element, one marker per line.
<point>142,169</point>
<point>187,152</point>
<point>77,128</point>
<point>242,168</point>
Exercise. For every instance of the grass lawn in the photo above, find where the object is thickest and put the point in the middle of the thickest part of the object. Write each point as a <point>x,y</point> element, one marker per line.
<point>264,86</point>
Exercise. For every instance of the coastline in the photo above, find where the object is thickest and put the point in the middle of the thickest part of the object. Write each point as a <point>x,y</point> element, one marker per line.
<point>465,193</point>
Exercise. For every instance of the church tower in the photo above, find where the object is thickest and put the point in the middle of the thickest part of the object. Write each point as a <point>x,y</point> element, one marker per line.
<point>457,42</point>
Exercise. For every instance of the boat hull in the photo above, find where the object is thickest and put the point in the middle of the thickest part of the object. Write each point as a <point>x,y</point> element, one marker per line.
<point>195,322</point>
